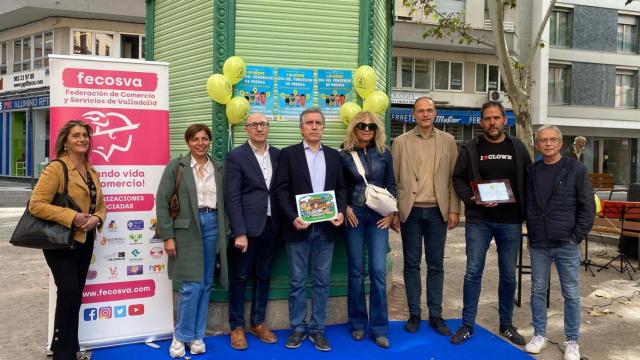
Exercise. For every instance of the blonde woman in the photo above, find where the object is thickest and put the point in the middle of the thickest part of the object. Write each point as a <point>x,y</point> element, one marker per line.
<point>366,228</point>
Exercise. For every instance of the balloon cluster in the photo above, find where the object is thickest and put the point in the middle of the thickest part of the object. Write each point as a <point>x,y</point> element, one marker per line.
<point>364,80</point>
<point>220,89</point>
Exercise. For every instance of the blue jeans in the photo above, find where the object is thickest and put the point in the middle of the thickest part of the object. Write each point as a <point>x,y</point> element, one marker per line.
<point>256,262</point>
<point>193,303</point>
<point>316,250</point>
<point>424,225</point>
<point>478,237</point>
<point>567,260</point>
<point>377,243</point>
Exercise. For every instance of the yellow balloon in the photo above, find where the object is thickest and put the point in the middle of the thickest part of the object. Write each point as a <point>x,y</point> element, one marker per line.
<point>598,204</point>
<point>219,88</point>
<point>364,80</point>
<point>377,102</point>
<point>348,111</point>
<point>237,110</point>
<point>234,69</point>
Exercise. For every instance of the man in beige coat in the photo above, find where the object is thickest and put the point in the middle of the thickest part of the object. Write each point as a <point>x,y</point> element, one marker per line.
<point>423,161</point>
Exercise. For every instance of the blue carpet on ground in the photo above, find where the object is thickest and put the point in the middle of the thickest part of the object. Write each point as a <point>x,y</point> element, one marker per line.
<point>424,345</point>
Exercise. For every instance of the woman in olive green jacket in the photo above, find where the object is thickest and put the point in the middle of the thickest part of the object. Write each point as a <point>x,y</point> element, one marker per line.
<point>192,239</point>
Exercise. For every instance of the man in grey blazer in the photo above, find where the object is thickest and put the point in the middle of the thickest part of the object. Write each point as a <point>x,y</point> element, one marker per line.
<point>253,216</point>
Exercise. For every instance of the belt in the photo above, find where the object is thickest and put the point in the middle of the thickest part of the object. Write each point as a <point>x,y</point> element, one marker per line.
<point>204,210</point>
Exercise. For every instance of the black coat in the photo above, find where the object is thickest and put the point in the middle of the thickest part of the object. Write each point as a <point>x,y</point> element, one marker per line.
<point>467,169</point>
<point>569,213</point>
<point>293,179</point>
<point>245,192</point>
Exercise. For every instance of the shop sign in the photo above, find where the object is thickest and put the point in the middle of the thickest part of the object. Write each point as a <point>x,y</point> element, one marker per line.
<point>24,80</point>
<point>25,103</point>
<point>446,116</point>
<point>406,97</point>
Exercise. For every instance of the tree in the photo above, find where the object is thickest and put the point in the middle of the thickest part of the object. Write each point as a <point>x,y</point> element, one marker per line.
<point>515,72</point>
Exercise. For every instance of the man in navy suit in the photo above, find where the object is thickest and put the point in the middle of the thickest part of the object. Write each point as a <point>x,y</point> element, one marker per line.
<point>253,215</point>
<point>309,167</point>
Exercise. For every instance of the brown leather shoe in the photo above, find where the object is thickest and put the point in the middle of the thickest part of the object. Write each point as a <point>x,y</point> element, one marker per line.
<point>238,340</point>
<point>264,334</point>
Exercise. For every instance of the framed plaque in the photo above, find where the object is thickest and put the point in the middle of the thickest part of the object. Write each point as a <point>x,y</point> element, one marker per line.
<point>492,191</point>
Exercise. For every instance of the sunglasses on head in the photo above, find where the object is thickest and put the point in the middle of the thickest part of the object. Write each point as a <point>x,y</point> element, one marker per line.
<point>370,127</point>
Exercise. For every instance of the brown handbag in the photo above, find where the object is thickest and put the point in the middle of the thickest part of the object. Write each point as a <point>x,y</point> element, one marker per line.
<point>174,202</point>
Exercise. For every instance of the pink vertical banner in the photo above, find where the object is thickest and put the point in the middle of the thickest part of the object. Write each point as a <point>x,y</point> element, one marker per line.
<point>127,297</point>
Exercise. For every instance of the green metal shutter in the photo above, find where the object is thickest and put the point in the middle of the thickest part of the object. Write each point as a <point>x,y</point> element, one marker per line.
<point>308,34</point>
<point>178,23</point>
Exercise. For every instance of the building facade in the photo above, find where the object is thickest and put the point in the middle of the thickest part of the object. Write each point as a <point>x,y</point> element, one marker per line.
<point>591,70</point>
<point>459,77</point>
<point>28,34</point>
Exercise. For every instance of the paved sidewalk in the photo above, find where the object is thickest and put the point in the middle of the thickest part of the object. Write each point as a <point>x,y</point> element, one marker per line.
<point>615,336</point>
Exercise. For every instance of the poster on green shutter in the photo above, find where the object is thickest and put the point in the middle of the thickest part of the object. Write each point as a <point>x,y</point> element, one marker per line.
<point>334,89</point>
<point>295,91</point>
<point>257,86</point>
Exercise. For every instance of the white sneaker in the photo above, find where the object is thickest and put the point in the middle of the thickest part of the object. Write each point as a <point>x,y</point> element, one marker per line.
<point>176,349</point>
<point>536,344</point>
<point>571,350</point>
<point>197,347</point>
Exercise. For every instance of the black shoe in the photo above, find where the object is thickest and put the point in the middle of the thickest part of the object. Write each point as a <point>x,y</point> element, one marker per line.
<point>320,341</point>
<point>511,333</point>
<point>413,324</point>
<point>295,340</point>
<point>440,326</point>
<point>463,333</point>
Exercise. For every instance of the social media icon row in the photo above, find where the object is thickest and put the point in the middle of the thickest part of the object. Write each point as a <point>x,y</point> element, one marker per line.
<point>108,312</point>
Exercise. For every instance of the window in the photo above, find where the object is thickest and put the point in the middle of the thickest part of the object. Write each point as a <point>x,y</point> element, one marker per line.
<point>131,46</point>
<point>448,75</point>
<point>559,84</point>
<point>413,73</point>
<point>626,89</point>
<point>87,42</point>
<point>42,47</point>
<point>82,43</point>
<point>22,54</point>
<point>560,26</point>
<point>488,78</point>
<point>3,58</point>
<point>450,6</point>
<point>627,40</point>
<point>104,44</point>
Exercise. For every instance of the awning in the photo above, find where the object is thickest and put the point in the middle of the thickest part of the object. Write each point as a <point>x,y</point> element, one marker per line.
<point>446,116</point>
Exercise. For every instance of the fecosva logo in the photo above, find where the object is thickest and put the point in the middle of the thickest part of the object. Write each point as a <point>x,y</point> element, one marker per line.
<point>108,80</point>
<point>76,78</point>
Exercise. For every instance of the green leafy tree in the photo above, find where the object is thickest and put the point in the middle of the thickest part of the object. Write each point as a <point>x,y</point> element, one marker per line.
<point>515,72</point>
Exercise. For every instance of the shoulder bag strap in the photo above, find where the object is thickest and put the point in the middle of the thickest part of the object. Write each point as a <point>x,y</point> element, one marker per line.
<point>178,179</point>
<point>359,166</point>
<point>66,176</point>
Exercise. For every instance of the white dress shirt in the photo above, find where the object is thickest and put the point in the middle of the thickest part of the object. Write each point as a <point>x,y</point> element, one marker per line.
<point>264,161</point>
<point>205,185</point>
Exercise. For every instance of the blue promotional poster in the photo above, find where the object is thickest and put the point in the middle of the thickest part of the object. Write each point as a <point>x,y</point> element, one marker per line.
<point>295,91</point>
<point>334,89</point>
<point>257,87</point>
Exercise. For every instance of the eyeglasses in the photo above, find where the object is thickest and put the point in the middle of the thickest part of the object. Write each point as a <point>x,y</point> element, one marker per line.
<point>255,125</point>
<point>369,127</point>
<point>553,140</point>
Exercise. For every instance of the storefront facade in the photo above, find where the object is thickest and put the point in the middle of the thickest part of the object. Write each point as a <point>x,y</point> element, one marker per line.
<point>27,36</point>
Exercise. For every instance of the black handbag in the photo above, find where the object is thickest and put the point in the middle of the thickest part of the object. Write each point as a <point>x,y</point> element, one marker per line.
<point>33,232</point>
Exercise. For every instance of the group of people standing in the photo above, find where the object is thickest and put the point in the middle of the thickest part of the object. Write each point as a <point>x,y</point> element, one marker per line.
<point>424,170</point>
<point>256,187</point>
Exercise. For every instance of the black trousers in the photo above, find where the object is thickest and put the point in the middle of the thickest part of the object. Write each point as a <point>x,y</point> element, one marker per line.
<point>257,263</point>
<point>69,269</point>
